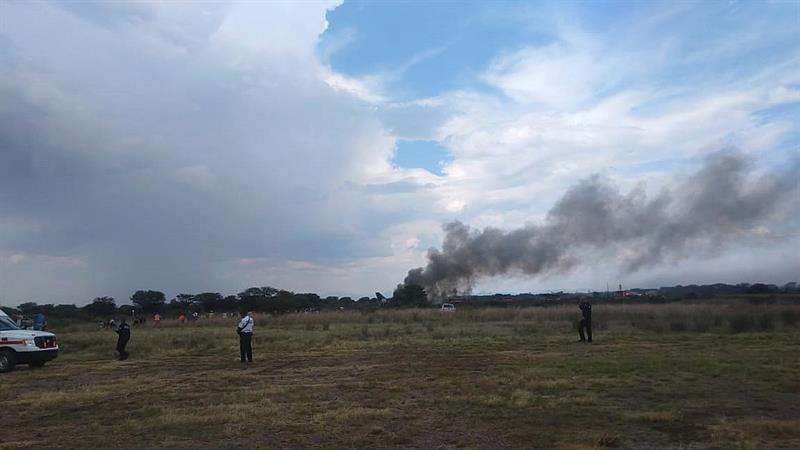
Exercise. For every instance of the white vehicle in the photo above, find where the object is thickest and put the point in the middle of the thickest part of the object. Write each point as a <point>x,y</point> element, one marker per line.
<point>449,307</point>
<point>18,346</point>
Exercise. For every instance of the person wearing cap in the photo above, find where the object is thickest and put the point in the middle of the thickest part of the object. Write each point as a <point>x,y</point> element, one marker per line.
<point>586,320</point>
<point>245,330</point>
<point>124,335</point>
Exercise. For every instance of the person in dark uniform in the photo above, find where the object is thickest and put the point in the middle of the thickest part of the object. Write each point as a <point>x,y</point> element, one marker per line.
<point>245,330</point>
<point>586,320</point>
<point>124,332</point>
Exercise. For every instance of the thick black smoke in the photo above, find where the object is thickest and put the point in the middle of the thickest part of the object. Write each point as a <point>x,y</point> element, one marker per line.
<point>721,202</point>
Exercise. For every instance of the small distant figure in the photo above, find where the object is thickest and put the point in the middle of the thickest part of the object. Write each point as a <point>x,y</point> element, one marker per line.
<point>245,330</point>
<point>156,319</point>
<point>586,320</point>
<point>124,335</point>
<point>182,318</point>
<point>39,322</point>
<point>112,323</point>
<point>195,316</point>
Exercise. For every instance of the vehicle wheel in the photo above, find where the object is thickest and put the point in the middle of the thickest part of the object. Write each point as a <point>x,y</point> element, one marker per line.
<point>36,365</point>
<point>7,361</point>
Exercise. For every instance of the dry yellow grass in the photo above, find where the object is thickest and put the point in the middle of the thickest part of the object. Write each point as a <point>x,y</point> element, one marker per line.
<point>423,379</point>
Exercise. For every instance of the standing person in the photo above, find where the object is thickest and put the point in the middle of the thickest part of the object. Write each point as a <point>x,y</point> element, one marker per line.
<point>156,319</point>
<point>586,320</point>
<point>124,332</point>
<point>245,330</point>
<point>39,322</point>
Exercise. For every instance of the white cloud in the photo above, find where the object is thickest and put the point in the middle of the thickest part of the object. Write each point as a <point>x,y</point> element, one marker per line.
<point>163,151</point>
<point>190,147</point>
<point>574,107</point>
<point>555,75</point>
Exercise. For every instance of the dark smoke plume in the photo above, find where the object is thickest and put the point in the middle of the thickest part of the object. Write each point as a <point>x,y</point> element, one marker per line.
<point>721,202</point>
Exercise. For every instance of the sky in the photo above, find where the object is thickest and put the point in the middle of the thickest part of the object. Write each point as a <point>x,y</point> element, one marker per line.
<point>321,146</point>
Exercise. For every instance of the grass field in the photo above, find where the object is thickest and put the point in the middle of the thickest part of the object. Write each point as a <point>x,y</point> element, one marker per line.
<point>667,376</point>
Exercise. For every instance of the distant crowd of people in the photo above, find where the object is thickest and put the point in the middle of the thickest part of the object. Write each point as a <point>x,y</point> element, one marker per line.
<point>156,318</point>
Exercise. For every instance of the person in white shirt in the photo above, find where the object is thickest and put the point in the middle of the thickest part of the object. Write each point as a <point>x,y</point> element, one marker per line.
<point>245,330</point>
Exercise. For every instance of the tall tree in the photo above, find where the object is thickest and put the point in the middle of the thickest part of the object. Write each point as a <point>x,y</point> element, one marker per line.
<point>101,307</point>
<point>28,308</point>
<point>261,298</point>
<point>149,301</point>
<point>210,301</point>
<point>409,296</point>
<point>183,301</point>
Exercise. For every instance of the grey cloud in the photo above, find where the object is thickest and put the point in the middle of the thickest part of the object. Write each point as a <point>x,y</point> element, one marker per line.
<point>153,170</point>
<point>721,203</point>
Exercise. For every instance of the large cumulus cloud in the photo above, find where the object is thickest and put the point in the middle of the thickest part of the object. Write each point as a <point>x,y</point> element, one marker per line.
<point>154,144</point>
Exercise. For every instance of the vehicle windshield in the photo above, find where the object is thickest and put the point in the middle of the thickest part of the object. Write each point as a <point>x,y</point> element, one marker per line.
<point>6,324</point>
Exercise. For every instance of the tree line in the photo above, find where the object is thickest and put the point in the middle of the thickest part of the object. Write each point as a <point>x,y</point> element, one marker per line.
<point>259,299</point>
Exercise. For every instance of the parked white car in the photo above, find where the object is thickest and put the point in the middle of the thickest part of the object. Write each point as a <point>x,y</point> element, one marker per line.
<point>19,346</point>
<point>449,307</point>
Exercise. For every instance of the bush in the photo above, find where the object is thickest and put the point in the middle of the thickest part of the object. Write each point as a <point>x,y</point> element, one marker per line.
<point>677,326</point>
<point>790,317</point>
<point>766,322</point>
<point>702,324</point>
<point>648,324</point>
<point>741,323</point>
<point>523,329</point>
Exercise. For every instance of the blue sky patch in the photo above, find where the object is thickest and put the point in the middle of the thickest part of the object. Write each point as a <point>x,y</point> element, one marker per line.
<point>424,51</point>
<point>428,155</point>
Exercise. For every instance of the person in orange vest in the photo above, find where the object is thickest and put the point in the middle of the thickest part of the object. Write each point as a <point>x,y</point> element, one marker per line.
<point>182,318</point>
<point>156,319</point>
